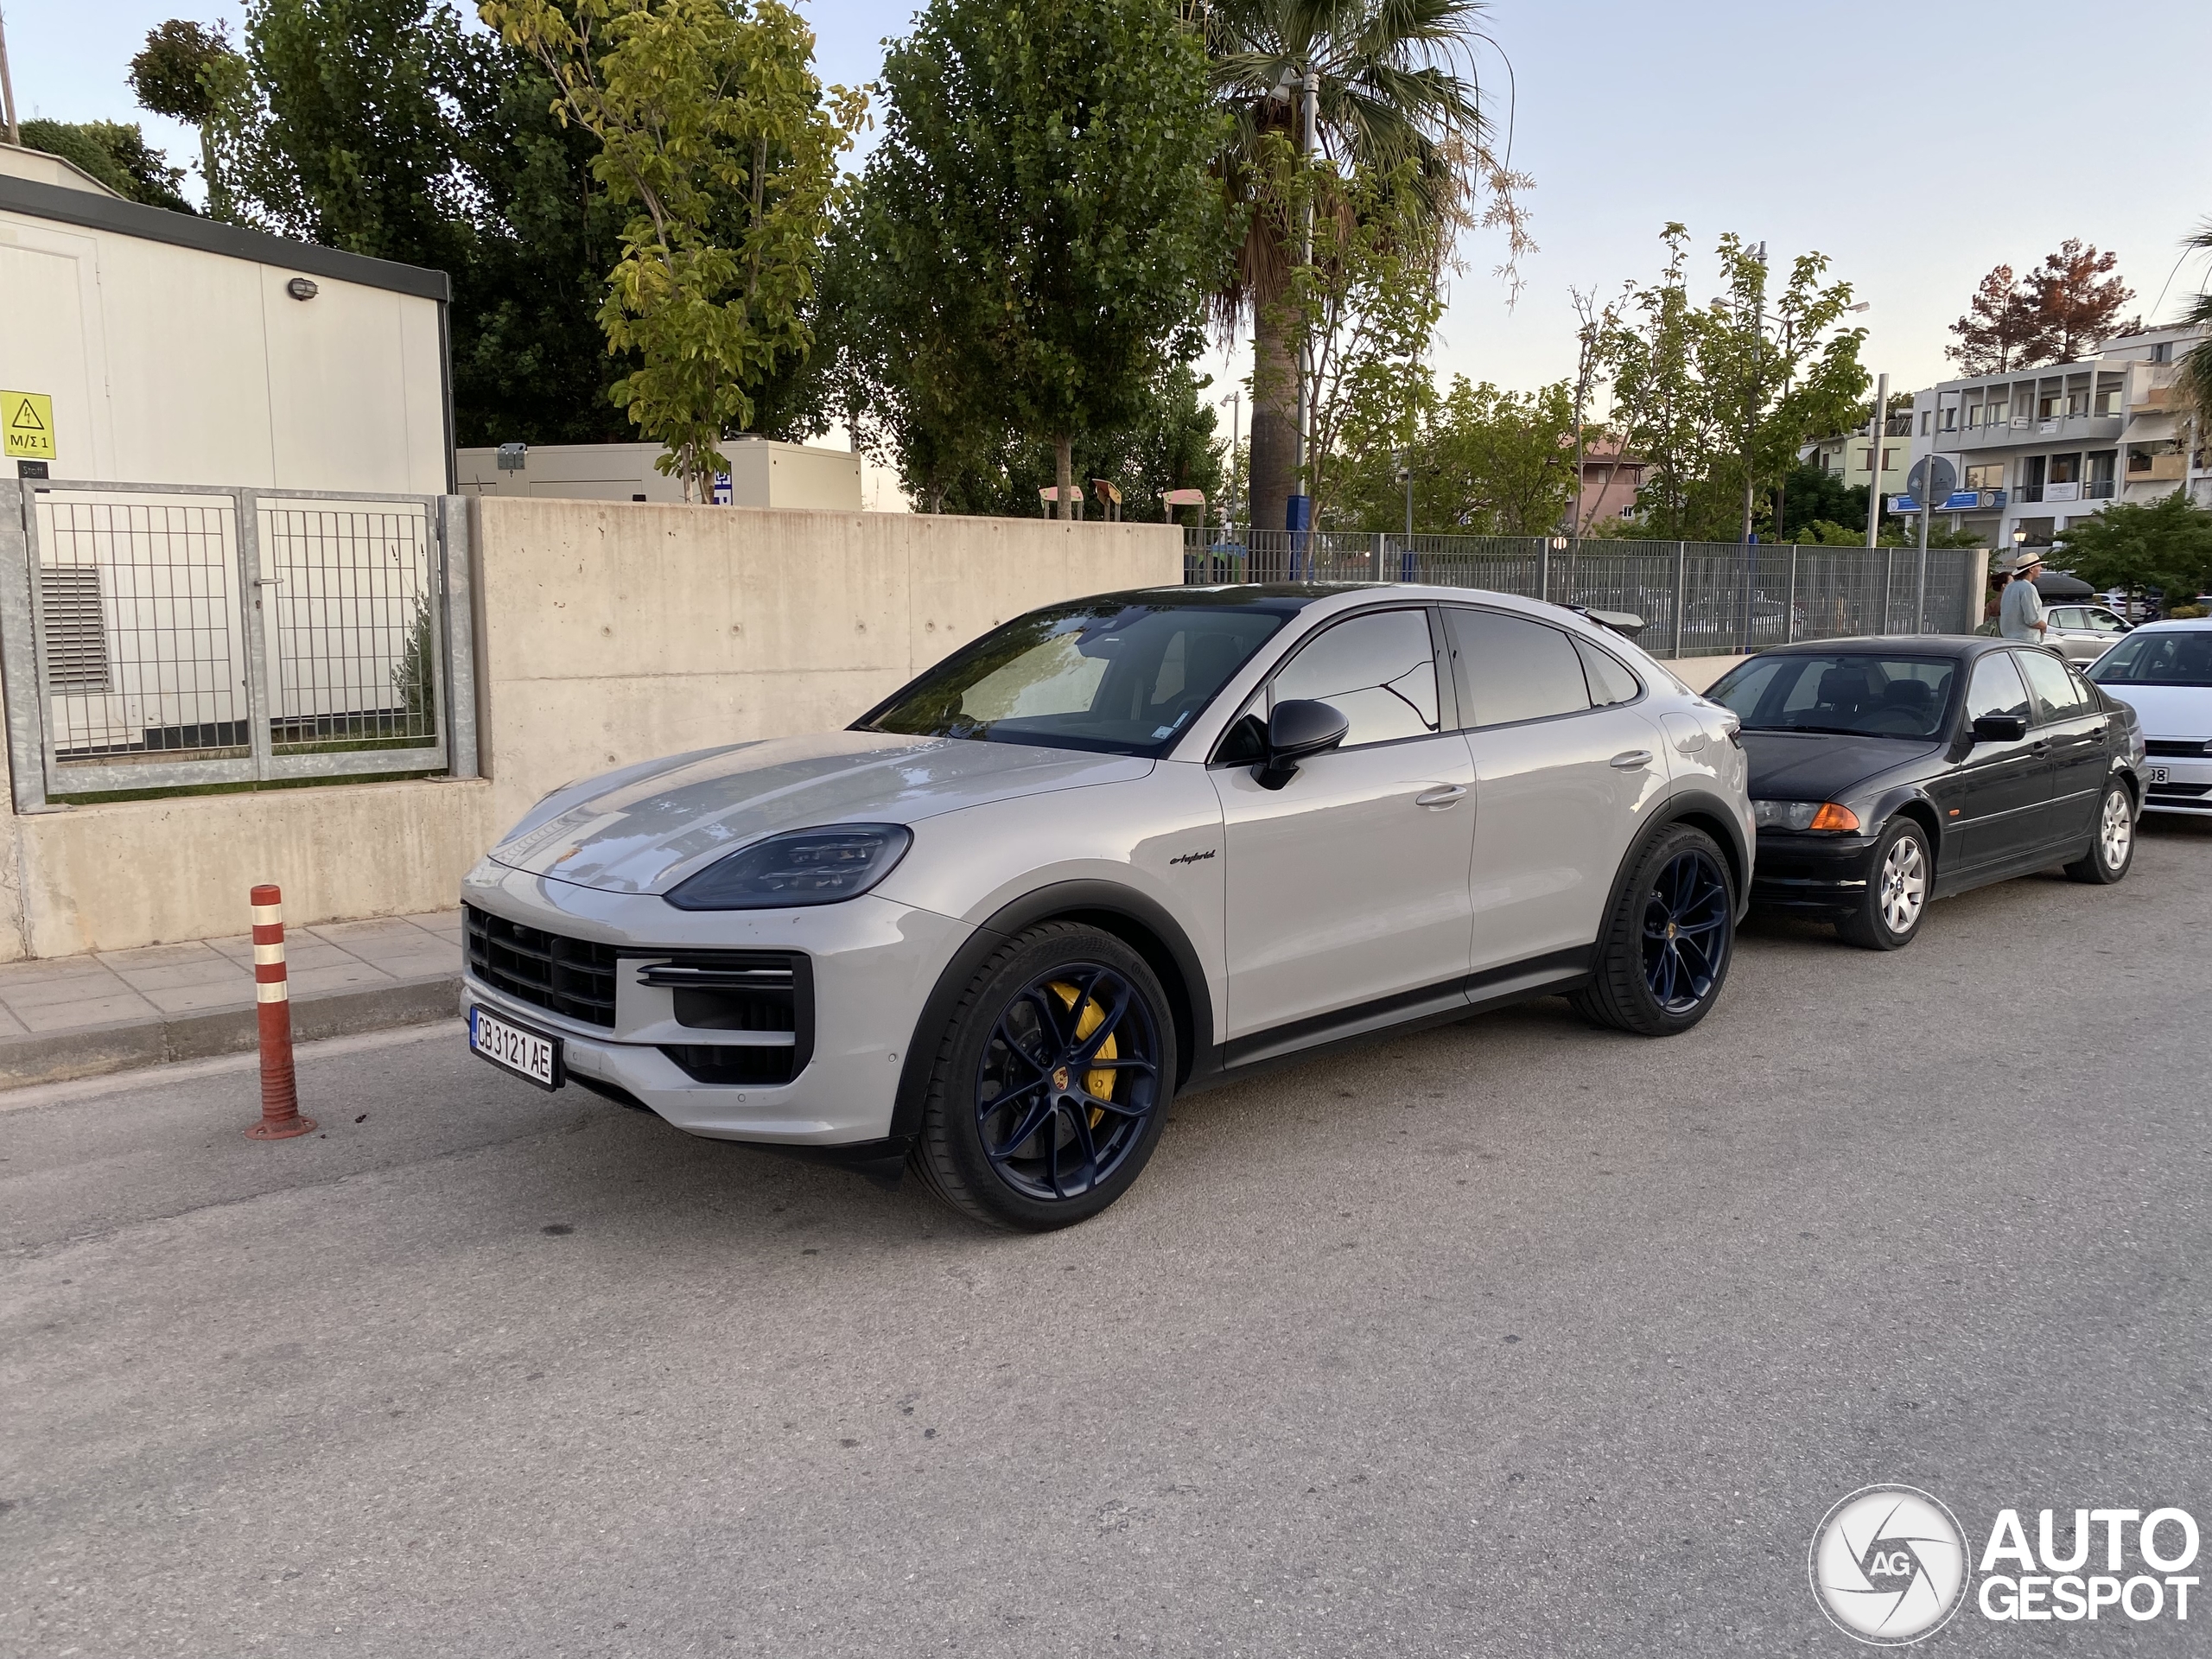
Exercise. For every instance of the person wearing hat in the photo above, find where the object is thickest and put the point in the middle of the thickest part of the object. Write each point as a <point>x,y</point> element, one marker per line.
<point>2019,613</point>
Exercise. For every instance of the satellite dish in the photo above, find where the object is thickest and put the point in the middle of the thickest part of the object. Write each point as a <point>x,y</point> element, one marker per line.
<point>1937,474</point>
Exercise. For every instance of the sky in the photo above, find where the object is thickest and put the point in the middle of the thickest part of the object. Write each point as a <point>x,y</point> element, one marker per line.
<point>1917,145</point>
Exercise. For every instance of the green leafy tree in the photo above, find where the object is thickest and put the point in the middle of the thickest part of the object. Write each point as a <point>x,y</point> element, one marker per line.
<point>1395,89</point>
<point>1484,462</point>
<point>2166,543</point>
<point>1173,444</point>
<point>1039,201</point>
<point>1719,399</point>
<point>188,73</point>
<point>117,154</point>
<point>715,135</point>
<point>1360,313</point>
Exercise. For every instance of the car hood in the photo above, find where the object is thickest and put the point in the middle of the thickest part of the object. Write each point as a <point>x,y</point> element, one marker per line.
<point>1822,766</point>
<point>2167,710</point>
<point>644,828</point>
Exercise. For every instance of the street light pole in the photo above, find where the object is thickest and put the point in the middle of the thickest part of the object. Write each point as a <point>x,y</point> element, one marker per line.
<point>8,87</point>
<point>1751,395</point>
<point>1874,458</point>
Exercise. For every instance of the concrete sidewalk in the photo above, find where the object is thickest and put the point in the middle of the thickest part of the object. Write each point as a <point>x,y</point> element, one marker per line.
<point>76,1016</point>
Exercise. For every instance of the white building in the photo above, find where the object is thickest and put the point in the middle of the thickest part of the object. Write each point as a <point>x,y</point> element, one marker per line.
<point>1850,456</point>
<point>2037,447</point>
<point>179,350</point>
<point>763,473</point>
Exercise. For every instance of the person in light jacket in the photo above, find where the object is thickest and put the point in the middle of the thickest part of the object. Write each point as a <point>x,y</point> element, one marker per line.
<point>2019,614</point>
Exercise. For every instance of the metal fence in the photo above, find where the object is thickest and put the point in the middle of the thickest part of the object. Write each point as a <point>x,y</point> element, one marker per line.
<point>159,637</point>
<point>1697,598</point>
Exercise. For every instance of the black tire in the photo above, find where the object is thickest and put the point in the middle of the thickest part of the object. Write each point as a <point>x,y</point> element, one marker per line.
<point>1890,911</point>
<point>1622,993</point>
<point>2112,842</point>
<point>1009,1054</point>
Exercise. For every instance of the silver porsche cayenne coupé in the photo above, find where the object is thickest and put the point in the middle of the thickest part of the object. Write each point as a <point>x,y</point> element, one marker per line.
<point>1116,850</point>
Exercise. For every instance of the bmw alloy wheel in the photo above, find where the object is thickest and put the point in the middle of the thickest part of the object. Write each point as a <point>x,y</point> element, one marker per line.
<point>2115,831</point>
<point>1903,884</point>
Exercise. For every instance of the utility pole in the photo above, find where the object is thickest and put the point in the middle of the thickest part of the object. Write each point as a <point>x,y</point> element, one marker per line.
<point>8,87</point>
<point>1310,91</point>
<point>1874,458</point>
<point>1751,394</point>
<point>1236,436</point>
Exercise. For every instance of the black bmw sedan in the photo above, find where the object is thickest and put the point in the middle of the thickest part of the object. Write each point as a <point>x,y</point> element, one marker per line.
<point>1887,772</point>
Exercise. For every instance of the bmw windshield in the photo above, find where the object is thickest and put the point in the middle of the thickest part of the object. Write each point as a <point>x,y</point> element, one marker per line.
<point>1852,693</point>
<point>1121,674</point>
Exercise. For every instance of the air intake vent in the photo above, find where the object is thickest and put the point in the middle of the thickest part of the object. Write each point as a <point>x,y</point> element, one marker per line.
<point>75,629</point>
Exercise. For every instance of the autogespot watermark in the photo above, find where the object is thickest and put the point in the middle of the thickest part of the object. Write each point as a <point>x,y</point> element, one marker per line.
<point>1891,1564</point>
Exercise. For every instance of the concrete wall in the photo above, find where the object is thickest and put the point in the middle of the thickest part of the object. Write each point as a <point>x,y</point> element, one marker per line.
<point>608,634</point>
<point>613,633</point>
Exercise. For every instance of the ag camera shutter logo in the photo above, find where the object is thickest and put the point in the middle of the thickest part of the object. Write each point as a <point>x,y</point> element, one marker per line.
<point>1888,1564</point>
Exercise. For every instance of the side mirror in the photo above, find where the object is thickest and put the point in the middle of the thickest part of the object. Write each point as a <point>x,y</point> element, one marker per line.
<point>1296,729</point>
<point>1999,728</point>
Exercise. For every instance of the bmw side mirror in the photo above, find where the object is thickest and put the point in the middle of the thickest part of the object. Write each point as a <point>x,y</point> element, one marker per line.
<point>1296,729</point>
<point>1999,728</point>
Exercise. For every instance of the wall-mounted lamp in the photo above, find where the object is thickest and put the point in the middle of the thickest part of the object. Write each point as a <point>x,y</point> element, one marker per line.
<point>302,287</point>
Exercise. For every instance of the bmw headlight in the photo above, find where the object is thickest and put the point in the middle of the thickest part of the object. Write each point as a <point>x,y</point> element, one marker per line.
<point>800,866</point>
<point>1803,815</point>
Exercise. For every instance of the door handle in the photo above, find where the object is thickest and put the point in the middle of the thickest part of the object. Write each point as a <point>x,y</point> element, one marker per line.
<point>1442,797</point>
<point>2041,745</point>
<point>1631,760</point>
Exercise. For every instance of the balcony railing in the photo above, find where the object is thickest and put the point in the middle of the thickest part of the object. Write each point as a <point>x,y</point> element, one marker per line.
<point>2028,493</point>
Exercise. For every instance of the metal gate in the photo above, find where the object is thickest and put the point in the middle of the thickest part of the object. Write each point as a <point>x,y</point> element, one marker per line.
<point>164,637</point>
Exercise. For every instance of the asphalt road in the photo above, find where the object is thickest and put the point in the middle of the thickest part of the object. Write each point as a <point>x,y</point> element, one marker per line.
<point>1509,1338</point>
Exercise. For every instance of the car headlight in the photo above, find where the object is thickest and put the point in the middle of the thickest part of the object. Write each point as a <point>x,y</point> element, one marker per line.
<point>800,866</point>
<point>1804,815</point>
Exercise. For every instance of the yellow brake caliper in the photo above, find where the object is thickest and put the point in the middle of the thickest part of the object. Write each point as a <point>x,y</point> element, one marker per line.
<point>1100,1081</point>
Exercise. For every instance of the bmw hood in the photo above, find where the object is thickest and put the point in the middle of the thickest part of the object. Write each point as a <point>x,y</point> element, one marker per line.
<point>644,828</point>
<point>2167,710</point>
<point>1823,766</point>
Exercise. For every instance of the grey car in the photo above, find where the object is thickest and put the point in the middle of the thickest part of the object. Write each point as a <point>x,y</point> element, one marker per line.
<point>2081,633</point>
<point>1117,850</point>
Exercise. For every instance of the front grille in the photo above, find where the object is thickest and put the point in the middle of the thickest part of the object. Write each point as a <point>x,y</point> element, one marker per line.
<point>2180,791</point>
<point>571,978</point>
<point>2190,748</point>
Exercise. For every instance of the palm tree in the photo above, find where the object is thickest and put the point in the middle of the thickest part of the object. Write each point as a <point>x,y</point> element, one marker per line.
<point>2196,376</point>
<point>1395,87</point>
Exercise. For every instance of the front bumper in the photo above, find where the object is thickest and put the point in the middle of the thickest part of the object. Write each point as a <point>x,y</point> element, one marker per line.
<point>873,963</point>
<point>1812,874</point>
<point>2187,788</point>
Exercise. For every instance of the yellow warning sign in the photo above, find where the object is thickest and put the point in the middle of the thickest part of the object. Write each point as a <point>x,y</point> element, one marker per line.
<point>26,424</point>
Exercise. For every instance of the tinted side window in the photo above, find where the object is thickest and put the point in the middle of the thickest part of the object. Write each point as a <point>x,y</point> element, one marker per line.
<point>1996,688</point>
<point>1378,670</point>
<point>1610,680</point>
<point>2057,696</point>
<point>1513,669</point>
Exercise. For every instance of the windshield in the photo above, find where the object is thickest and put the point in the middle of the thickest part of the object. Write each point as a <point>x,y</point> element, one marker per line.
<point>2183,657</point>
<point>1106,675</point>
<point>1858,694</point>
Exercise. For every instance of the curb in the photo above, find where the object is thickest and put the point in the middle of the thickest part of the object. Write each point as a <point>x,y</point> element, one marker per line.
<point>56,1057</point>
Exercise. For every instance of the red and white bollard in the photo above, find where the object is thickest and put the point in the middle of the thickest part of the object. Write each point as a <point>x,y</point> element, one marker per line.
<point>272,997</point>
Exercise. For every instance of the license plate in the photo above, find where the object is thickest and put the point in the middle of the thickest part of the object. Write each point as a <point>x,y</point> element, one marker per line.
<point>2158,774</point>
<point>513,1049</point>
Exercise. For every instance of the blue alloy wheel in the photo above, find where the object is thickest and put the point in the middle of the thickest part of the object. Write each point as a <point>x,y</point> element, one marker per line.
<point>1068,1081</point>
<point>1686,932</point>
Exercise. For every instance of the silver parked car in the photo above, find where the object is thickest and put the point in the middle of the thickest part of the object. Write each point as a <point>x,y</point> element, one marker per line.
<point>1115,851</point>
<point>2081,633</point>
<point>2164,671</point>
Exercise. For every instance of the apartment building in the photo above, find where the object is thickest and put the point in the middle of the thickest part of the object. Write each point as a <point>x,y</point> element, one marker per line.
<point>2037,447</point>
<point>1852,455</point>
